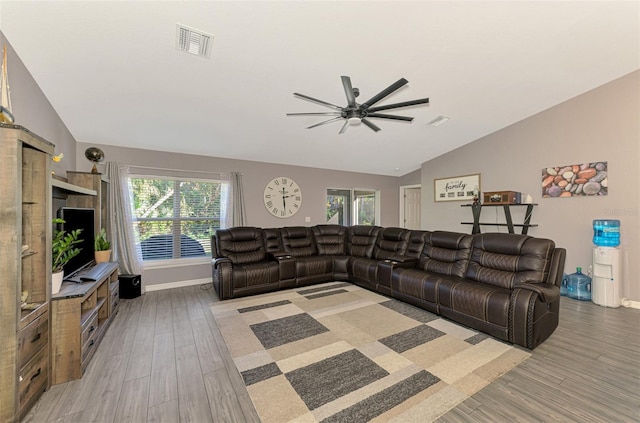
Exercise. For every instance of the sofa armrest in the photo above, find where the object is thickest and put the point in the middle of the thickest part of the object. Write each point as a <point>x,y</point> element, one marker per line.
<point>547,292</point>
<point>216,262</point>
<point>402,261</point>
<point>556,268</point>
<point>278,255</point>
<point>222,275</point>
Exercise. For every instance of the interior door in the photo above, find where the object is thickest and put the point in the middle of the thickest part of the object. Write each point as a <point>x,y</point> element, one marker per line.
<point>412,208</point>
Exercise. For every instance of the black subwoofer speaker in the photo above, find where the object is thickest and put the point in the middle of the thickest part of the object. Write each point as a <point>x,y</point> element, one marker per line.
<point>130,286</point>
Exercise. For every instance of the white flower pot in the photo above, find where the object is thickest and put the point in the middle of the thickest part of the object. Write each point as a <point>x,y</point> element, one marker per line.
<point>56,282</point>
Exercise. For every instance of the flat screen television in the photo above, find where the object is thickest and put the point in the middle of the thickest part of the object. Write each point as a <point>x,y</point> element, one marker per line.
<point>79,218</point>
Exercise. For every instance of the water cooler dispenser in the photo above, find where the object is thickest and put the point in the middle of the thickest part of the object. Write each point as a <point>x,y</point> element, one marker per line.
<point>606,263</point>
<point>605,290</point>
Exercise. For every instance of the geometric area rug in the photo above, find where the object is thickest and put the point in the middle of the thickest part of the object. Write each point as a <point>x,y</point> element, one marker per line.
<point>336,352</point>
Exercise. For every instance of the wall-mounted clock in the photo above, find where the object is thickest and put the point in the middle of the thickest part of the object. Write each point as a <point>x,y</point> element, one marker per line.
<point>282,197</point>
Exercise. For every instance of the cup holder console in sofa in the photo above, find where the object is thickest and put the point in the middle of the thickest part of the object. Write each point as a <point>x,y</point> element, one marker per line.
<point>505,285</point>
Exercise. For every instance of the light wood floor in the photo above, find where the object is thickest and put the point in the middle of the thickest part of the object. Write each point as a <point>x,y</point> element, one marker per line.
<point>163,360</point>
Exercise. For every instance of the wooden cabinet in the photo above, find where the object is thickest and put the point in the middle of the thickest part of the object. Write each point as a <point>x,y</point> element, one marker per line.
<point>80,315</point>
<point>95,182</point>
<point>25,266</point>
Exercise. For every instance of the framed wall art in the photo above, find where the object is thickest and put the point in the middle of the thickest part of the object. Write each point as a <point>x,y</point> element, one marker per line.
<point>583,179</point>
<point>456,188</point>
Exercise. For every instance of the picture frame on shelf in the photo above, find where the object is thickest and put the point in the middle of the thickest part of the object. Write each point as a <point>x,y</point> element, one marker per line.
<point>456,188</point>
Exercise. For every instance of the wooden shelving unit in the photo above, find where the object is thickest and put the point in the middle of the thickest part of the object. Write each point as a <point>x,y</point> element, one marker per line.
<point>25,265</point>
<point>99,185</point>
<point>525,225</point>
<point>80,315</point>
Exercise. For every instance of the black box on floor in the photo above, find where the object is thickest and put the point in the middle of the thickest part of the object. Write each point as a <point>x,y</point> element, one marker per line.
<point>130,286</point>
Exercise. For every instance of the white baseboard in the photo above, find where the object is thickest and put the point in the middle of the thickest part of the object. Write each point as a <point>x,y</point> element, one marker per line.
<point>179,284</point>
<point>630,304</point>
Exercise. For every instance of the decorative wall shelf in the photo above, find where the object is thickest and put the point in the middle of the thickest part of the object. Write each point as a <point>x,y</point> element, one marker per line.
<point>476,209</point>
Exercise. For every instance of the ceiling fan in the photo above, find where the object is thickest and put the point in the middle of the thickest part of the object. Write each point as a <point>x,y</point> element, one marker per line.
<point>354,113</point>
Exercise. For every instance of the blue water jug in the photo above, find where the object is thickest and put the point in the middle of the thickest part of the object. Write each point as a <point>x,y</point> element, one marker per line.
<point>579,286</point>
<point>563,284</point>
<point>606,233</point>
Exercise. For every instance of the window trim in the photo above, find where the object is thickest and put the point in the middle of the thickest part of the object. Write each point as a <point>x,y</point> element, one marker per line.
<point>182,261</point>
<point>352,206</point>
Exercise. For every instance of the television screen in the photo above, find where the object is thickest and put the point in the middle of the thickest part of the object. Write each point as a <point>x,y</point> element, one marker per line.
<point>79,218</point>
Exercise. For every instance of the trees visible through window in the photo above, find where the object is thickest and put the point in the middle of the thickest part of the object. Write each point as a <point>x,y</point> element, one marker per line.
<point>175,218</point>
<point>352,207</point>
<point>365,207</point>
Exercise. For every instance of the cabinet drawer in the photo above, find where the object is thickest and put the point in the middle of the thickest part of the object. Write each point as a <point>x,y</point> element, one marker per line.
<point>115,299</point>
<point>33,378</point>
<point>32,338</point>
<point>89,329</point>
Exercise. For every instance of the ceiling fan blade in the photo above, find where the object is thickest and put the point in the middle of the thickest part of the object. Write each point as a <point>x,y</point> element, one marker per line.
<point>370,125</point>
<point>397,105</point>
<point>348,90</point>
<point>325,122</point>
<point>382,94</point>
<point>344,127</point>
<point>393,117</point>
<point>316,114</point>
<point>315,100</point>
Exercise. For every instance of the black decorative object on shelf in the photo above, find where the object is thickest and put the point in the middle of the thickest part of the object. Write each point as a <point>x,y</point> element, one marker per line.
<point>95,156</point>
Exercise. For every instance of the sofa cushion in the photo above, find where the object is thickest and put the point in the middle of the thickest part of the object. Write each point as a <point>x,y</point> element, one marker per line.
<point>361,239</point>
<point>254,274</point>
<point>503,260</point>
<point>446,253</point>
<point>416,243</point>
<point>362,270</point>
<point>298,241</point>
<point>482,302</point>
<point>314,266</point>
<point>389,242</point>
<point>416,283</point>
<point>272,240</point>
<point>241,245</point>
<point>330,239</point>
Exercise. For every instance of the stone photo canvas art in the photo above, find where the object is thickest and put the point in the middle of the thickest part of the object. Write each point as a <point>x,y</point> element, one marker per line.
<point>575,180</point>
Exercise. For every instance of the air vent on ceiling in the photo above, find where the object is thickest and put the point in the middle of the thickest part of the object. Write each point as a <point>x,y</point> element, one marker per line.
<point>438,121</point>
<point>193,41</point>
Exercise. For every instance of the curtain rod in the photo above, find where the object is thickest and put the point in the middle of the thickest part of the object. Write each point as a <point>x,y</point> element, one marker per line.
<point>176,170</point>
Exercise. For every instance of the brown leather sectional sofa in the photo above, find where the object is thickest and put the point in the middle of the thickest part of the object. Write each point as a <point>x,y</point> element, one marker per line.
<point>502,284</point>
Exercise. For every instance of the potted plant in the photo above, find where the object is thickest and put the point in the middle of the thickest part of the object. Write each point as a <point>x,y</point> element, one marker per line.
<point>102,247</point>
<point>63,249</point>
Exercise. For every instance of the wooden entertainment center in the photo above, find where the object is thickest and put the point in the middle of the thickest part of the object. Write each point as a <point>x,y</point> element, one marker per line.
<point>46,339</point>
<point>80,315</point>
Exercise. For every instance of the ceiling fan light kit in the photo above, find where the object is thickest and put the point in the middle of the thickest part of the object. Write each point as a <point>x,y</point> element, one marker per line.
<point>354,113</point>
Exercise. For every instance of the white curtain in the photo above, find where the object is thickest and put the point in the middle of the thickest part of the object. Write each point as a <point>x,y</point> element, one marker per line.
<point>126,250</point>
<point>236,210</point>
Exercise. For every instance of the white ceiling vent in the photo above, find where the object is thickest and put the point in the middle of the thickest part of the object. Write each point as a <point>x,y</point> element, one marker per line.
<point>438,121</point>
<point>193,41</point>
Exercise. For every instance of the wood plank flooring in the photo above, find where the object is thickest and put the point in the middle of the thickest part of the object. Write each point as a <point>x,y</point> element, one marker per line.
<point>164,360</point>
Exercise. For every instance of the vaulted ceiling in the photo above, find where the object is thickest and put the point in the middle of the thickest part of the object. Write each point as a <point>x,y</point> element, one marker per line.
<point>112,71</point>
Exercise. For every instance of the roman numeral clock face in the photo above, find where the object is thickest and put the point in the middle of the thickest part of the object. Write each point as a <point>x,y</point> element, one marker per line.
<point>282,197</point>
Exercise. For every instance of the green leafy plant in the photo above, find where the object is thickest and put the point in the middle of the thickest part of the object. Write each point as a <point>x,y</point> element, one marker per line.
<point>101,243</point>
<point>64,247</point>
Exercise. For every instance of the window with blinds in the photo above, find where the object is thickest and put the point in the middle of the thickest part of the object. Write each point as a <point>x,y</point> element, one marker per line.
<point>175,217</point>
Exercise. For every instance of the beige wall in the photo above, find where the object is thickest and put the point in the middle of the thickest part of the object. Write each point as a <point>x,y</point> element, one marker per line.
<point>602,124</point>
<point>313,182</point>
<point>32,109</point>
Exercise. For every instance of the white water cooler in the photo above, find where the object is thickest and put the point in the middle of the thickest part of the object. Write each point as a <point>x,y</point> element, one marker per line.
<point>605,287</point>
